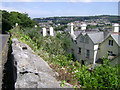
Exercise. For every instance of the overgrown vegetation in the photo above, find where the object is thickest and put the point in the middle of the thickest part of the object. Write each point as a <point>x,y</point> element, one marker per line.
<point>9,19</point>
<point>53,50</point>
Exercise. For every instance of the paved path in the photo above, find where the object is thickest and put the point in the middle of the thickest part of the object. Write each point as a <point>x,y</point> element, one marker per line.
<point>3,40</point>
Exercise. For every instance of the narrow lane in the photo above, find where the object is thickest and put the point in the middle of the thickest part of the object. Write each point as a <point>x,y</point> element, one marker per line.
<point>3,41</point>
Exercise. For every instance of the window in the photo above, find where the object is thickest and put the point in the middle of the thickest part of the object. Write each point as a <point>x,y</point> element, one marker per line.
<point>110,42</point>
<point>72,39</point>
<point>72,51</point>
<point>79,50</point>
<point>41,32</point>
<point>75,41</point>
<point>98,48</point>
<point>110,53</point>
<point>87,53</point>
<point>86,40</point>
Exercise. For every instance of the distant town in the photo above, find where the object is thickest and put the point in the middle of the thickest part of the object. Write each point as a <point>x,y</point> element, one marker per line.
<point>87,34</point>
<point>99,23</point>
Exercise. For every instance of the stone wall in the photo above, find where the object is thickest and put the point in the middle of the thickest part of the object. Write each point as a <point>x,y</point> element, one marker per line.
<point>30,70</point>
<point>21,68</point>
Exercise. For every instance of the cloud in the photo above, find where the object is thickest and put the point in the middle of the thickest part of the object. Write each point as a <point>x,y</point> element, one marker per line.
<point>19,0</point>
<point>32,13</point>
<point>9,9</point>
<point>60,0</point>
<point>80,0</point>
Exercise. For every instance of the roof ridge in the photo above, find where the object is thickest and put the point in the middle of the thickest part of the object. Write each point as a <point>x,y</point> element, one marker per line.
<point>115,33</point>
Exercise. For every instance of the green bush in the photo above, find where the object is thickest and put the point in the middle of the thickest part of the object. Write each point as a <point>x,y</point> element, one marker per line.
<point>103,76</point>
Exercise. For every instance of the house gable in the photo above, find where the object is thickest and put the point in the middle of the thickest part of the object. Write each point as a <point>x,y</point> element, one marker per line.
<point>105,47</point>
<point>90,40</point>
<point>110,38</point>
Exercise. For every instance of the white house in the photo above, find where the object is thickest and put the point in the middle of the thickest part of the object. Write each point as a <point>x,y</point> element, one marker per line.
<point>110,48</point>
<point>89,46</point>
<point>86,44</point>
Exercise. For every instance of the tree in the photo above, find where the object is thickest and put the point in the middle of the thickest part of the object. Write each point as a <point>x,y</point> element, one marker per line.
<point>10,19</point>
<point>6,25</point>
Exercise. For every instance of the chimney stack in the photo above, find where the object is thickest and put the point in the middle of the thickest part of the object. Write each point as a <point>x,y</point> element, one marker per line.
<point>44,32</point>
<point>83,26</point>
<point>116,27</point>
<point>71,28</point>
<point>51,31</point>
<point>16,24</point>
<point>35,26</point>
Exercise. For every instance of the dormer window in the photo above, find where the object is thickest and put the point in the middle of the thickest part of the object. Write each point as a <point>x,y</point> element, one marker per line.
<point>110,42</point>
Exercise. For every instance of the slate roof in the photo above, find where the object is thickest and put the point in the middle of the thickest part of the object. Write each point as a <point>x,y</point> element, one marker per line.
<point>116,37</point>
<point>77,32</point>
<point>96,37</point>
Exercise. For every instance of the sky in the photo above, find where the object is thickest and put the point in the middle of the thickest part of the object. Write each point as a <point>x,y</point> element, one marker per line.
<point>43,8</point>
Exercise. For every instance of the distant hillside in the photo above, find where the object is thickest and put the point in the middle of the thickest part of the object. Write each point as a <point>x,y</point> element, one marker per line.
<point>65,20</point>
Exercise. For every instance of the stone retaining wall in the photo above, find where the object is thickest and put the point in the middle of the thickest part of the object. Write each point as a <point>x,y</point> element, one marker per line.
<point>31,71</point>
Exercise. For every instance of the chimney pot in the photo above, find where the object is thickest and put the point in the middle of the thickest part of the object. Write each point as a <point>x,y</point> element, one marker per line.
<point>72,31</point>
<point>51,31</point>
<point>44,32</point>
<point>83,26</point>
<point>116,27</point>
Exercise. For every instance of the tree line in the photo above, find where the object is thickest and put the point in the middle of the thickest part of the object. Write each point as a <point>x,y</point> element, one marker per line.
<point>67,19</point>
<point>9,19</point>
